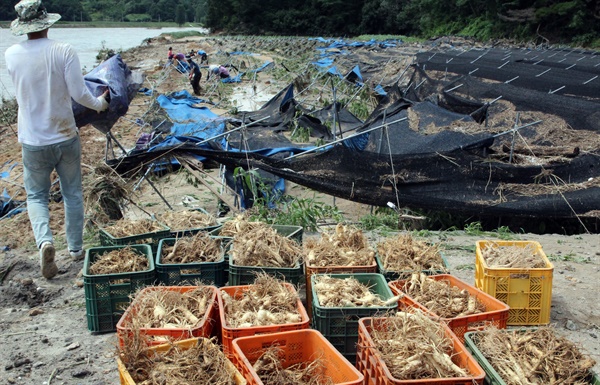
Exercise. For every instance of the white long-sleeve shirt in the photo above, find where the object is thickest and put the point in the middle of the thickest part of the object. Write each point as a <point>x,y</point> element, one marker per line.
<point>46,75</point>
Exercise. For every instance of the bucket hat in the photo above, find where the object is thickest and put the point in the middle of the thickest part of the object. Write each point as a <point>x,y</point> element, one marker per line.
<point>32,17</point>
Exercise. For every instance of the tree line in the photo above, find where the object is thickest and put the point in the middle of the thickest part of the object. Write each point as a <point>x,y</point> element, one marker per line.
<point>553,21</point>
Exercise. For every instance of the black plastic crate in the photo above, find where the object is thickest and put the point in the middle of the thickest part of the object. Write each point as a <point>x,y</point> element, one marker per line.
<point>107,296</point>
<point>188,274</point>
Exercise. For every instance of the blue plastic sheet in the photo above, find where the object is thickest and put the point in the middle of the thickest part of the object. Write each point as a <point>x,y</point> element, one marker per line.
<point>123,85</point>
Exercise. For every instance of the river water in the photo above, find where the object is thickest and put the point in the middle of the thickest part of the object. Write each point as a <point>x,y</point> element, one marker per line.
<point>86,41</point>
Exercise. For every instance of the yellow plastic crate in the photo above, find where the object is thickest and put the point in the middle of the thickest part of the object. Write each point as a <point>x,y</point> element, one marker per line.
<point>528,292</point>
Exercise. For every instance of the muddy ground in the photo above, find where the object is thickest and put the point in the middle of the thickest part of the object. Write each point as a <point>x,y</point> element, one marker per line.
<point>43,328</point>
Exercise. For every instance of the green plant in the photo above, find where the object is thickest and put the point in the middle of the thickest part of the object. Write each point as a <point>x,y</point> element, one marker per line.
<point>381,218</point>
<point>305,212</point>
<point>300,135</point>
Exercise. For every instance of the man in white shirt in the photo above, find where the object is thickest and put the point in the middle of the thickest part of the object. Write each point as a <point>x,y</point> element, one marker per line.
<point>47,75</point>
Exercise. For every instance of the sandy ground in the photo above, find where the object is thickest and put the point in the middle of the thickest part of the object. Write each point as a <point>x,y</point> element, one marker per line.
<point>43,326</point>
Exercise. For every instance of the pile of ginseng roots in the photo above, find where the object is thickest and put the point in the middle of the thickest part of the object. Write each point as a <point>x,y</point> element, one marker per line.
<point>127,227</point>
<point>270,370</point>
<point>413,346</point>
<point>512,257</point>
<point>187,220</point>
<point>122,260</point>
<point>264,246</point>
<point>404,253</point>
<point>346,292</point>
<point>441,298</point>
<point>163,308</point>
<point>533,356</point>
<point>346,246</point>
<point>200,247</point>
<point>203,363</point>
<point>267,301</point>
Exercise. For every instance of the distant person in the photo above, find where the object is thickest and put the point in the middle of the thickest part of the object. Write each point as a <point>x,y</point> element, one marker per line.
<point>47,75</point>
<point>181,63</point>
<point>219,70</point>
<point>170,54</point>
<point>195,75</point>
<point>203,57</point>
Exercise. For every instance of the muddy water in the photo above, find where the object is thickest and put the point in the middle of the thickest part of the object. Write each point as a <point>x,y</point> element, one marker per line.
<point>86,41</point>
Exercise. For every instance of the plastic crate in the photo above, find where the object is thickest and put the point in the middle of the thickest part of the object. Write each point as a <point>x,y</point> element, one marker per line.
<point>310,270</point>
<point>126,379</point>
<point>528,292</point>
<point>152,239</point>
<point>108,295</point>
<point>203,329</point>
<point>189,232</point>
<point>173,274</point>
<point>228,333</point>
<point>297,347</point>
<point>496,312</point>
<point>391,275</point>
<point>491,376</point>
<point>245,275</point>
<point>376,372</point>
<point>340,324</point>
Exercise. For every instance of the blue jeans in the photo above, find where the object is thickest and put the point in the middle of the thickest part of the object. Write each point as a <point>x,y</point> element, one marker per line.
<point>38,164</point>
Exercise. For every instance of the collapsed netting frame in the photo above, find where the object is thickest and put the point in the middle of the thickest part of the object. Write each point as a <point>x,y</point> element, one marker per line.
<point>566,205</point>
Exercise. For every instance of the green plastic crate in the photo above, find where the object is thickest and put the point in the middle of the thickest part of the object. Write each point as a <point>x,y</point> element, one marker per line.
<point>108,295</point>
<point>190,232</point>
<point>294,232</point>
<point>491,376</point>
<point>340,324</point>
<point>187,274</point>
<point>391,275</point>
<point>152,239</point>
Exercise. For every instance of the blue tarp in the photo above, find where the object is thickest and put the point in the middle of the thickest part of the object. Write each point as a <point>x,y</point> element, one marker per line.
<point>189,119</point>
<point>123,85</point>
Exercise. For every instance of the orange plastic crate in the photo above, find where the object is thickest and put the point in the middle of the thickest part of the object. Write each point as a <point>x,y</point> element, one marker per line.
<point>496,312</point>
<point>376,372</point>
<point>228,333</point>
<point>310,270</point>
<point>205,327</point>
<point>126,379</point>
<point>528,292</point>
<point>298,346</point>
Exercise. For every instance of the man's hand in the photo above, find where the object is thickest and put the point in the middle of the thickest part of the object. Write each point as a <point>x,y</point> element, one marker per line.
<point>102,98</point>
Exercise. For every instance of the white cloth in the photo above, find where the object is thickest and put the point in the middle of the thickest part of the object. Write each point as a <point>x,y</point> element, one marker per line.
<point>46,75</point>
